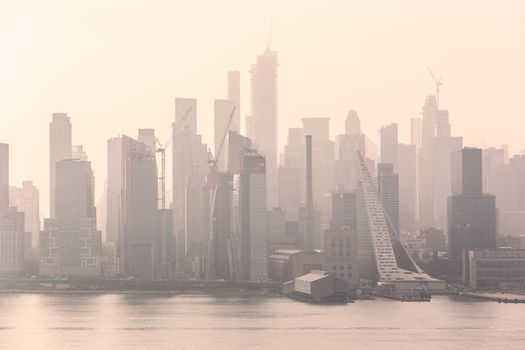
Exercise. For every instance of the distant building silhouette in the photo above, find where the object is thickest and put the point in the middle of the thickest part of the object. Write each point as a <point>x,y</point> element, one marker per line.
<point>4,178</point>
<point>60,147</point>
<point>472,215</point>
<point>262,124</point>
<point>251,220</point>
<point>27,200</point>
<point>234,94</point>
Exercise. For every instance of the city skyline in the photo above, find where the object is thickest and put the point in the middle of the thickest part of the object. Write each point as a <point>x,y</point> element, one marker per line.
<point>262,175</point>
<point>356,72</point>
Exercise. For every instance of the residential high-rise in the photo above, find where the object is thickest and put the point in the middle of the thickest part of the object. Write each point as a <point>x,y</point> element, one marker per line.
<point>407,171</point>
<point>444,146</point>
<point>4,178</point>
<point>60,147</point>
<point>382,258</point>
<point>190,156</point>
<point>388,190</point>
<point>292,172</point>
<point>472,215</point>
<point>11,242</point>
<point>11,223</point>
<point>74,193</point>
<point>27,200</point>
<point>346,147</point>
<point>262,124</point>
<point>70,243</point>
<point>147,137</point>
<point>234,94</point>
<point>133,219</point>
<point>222,112</point>
<point>339,243</point>
<point>344,210</point>
<point>219,262</point>
<point>195,239</point>
<point>235,147</point>
<point>437,144</point>
<point>389,145</point>
<point>466,172</point>
<point>250,184</point>
<point>77,152</point>
<point>138,241</point>
<point>70,252</point>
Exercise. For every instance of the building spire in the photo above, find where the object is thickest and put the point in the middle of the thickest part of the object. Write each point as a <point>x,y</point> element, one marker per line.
<point>269,36</point>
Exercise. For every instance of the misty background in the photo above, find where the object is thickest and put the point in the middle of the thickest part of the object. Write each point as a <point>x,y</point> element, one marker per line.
<point>117,66</point>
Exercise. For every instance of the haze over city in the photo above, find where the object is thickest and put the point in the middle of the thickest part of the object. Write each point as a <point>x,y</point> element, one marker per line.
<point>262,175</point>
<point>116,66</point>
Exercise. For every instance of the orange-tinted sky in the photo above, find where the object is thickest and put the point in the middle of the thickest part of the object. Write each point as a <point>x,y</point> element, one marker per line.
<point>115,66</point>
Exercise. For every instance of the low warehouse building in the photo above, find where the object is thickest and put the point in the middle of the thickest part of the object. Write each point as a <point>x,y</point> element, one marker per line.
<point>321,287</point>
<point>488,268</point>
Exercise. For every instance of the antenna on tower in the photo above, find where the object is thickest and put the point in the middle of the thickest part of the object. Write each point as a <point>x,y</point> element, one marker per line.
<point>438,84</point>
<point>269,36</point>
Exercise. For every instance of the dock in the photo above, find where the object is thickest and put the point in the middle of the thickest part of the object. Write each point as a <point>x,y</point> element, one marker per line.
<point>506,298</point>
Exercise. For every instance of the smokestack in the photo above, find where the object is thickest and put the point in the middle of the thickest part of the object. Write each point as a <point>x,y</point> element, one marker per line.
<point>309,233</point>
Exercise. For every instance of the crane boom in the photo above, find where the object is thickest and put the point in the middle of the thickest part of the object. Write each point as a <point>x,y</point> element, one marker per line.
<point>218,152</point>
<point>438,84</point>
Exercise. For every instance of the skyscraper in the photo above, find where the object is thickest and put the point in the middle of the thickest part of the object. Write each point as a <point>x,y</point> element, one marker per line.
<point>147,137</point>
<point>70,243</point>
<point>389,151</point>
<point>344,210</point>
<point>339,243</point>
<point>74,195</point>
<point>11,242</point>
<point>346,147</point>
<point>133,219</point>
<point>60,147</point>
<point>235,147</point>
<point>219,261</point>
<point>234,94</point>
<point>472,215</point>
<point>250,184</point>
<point>291,174</point>
<point>262,124</point>
<point>4,178</point>
<point>388,190</point>
<point>382,258</point>
<point>190,156</point>
<point>444,146</point>
<point>138,240</point>
<point>11,223</point>
<point>407,170</point>
<point>437,144</point>
<point>27,200</point>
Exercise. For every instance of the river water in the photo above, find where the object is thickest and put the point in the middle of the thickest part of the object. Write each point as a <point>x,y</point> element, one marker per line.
<point>145,321</point>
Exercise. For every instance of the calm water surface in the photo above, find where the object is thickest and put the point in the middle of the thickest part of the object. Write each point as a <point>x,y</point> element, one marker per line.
<point>117,321</point>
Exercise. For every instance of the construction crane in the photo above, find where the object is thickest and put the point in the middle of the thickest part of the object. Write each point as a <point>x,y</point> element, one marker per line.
<point>214,176</point>
<point>438,84</point>
<point>162,150</point>
<point>218,151</point>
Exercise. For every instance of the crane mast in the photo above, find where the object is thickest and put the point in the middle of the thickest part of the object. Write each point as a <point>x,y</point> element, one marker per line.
<point>162,150</point>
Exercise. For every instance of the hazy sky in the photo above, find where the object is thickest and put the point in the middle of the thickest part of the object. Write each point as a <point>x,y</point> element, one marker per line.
<point>115,66</point>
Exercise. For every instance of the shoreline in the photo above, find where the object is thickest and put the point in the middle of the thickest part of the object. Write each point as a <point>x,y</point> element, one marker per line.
<point>143,292</point>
